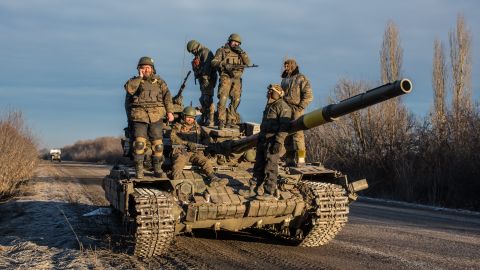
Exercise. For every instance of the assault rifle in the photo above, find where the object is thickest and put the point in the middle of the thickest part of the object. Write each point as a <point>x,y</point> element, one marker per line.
<point>195,147</point>
<point>238,66</point>
<point>178,98</point>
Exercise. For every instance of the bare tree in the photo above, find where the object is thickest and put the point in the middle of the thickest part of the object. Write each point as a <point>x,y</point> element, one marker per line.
<point>460,59</point>
<point>439,78</point>
<point>391,54</point>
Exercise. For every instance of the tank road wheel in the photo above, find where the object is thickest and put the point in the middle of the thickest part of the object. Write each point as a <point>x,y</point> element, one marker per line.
<point>154,222</point>
<point>326,214</point>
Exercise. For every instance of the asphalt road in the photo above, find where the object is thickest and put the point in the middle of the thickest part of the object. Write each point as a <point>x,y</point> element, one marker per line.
<point>379,235</point>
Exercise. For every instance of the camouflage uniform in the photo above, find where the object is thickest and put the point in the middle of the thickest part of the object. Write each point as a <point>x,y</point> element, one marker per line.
<point>150,100</point>
<point>188,136</point>
<point>230,83</point>
<point>207,78</point>
<point>273,130</point>
<point>298,94</point>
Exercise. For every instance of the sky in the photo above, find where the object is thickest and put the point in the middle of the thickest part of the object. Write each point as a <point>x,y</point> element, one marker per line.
<point>64,63</point>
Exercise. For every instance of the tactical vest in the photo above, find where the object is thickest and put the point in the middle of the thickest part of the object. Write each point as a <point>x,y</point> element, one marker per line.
<point>149,94</point>
<point>233,58</point>
<point>191,135</point>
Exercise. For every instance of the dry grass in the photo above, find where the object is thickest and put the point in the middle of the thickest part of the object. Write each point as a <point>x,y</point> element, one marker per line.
<point>18,153</point>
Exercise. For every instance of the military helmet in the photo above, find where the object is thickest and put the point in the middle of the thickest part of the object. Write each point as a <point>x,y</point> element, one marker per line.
<point>189,111</point>
<point>145,61</point>
<point>192,45</point>
<point>235,37</point>
<point>249,155</point>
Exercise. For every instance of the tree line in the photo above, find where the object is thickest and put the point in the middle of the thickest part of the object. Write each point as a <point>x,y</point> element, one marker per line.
<point>434,160</point>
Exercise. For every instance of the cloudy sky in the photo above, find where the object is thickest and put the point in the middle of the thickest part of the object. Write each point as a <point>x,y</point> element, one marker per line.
<point>63,63</point>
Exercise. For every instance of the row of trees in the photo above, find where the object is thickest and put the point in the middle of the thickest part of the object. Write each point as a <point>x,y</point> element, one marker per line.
<point>433,160</point>
<point>103,149</point>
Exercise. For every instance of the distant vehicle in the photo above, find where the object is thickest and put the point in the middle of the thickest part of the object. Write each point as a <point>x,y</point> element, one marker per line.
<point>55,155</point>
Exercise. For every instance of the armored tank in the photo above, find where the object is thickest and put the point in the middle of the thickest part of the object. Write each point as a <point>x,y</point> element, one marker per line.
<point>310,209</point>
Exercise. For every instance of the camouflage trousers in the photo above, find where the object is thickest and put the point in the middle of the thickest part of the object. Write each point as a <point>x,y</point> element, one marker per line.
<point>207,108</point>
<point>207,86</point>
<point>229,88</point>
<point>151,136</point>
<point>265,169</point>
<point>196,158</point>
<point>295,143</point>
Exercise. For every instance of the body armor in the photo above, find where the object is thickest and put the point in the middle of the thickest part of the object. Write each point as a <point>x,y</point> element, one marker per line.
<point>149,94</point>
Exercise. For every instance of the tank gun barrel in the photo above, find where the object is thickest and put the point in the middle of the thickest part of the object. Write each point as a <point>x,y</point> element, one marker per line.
<point>369,98</point>
<point>330,112</point>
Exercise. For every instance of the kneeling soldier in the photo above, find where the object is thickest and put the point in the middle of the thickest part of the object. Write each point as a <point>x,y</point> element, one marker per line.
<point>187,133</point>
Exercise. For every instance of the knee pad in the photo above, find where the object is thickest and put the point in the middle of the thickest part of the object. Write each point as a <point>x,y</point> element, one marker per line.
<point>157,147</point>
<point>139,145</point>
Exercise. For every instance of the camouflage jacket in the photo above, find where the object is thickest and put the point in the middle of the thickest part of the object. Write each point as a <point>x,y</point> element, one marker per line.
<point>298,92</point>
<point>150,98</point>
<point>276,120</point>
<point>204,70</point>
<point>226,56</point>
<point>182,134</point>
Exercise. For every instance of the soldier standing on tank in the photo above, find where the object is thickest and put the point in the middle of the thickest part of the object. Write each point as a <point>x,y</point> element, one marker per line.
<point>228,61</point>
<point>298,94</point>
<point>188,135</point>
<point>207,78</point>
<point>150,100</point>
<point>273,130</point>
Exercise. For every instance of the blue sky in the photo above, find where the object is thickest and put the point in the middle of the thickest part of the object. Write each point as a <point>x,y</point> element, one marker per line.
<point>64,63</point>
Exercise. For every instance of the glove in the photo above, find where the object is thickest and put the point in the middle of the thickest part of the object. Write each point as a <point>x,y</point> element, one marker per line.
<point>191,146</point>
<point>238,50</point>
<point>196,63</point>
<point>275,148</point>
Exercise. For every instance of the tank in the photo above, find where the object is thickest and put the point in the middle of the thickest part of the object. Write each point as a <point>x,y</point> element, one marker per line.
<point>311,208</point>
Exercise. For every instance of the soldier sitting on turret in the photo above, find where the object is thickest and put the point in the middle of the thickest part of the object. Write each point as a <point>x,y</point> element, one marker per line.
<point>273,130</point>
<point>187,134</point>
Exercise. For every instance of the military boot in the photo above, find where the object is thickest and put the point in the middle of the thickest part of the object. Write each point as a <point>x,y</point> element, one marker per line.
<point>252,191</point>
<point>157,167</point>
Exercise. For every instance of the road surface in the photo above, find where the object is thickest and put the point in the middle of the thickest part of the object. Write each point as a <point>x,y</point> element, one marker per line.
<point>44,229</point>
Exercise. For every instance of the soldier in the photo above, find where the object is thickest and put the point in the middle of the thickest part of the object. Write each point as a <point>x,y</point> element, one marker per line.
<point>230,85</point>
<point>273,130</point>
<point>207,78</point>
<point>298,94</point>
<point>150,100</point>
<point>187,133</point>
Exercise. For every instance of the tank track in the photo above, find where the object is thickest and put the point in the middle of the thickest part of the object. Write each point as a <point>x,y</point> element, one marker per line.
<point>154,222</point>
<point>328,213</point>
